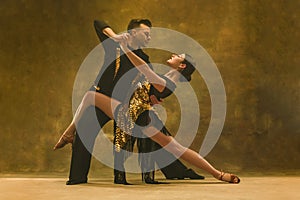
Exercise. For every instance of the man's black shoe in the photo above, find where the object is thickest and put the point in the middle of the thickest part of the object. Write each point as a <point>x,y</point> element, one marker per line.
<point>120,178</point>
<point>75,182</point>
<point>124,182</point>
<point>188,174</point>
<point>148,178</point>
<point>151,181</point>
<point>191,174</point>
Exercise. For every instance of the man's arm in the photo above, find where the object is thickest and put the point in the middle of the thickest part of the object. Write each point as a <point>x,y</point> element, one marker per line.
<point>105,75</point>
<point>104,31</point>
<point>99,27</point>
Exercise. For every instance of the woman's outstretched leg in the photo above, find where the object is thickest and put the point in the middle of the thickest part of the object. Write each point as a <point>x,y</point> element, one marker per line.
<point>101,101</point>
<point>171,145</point>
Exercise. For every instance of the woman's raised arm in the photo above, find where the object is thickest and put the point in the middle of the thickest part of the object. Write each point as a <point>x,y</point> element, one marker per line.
<point>158,82</point>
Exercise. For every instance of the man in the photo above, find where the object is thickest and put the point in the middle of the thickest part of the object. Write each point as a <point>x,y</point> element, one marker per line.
<point>111,72</point>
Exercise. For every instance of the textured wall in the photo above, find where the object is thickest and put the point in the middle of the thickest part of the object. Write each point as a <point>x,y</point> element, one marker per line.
<point>254,44</point>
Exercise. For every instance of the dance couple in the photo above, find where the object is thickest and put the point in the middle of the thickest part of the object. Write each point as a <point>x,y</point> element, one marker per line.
<point>131,109</point>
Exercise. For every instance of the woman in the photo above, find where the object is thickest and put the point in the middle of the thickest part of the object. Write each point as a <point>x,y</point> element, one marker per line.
<point>180,65</point>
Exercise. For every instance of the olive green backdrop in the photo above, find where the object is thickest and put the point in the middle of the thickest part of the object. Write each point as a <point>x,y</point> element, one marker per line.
<point>255,45</point>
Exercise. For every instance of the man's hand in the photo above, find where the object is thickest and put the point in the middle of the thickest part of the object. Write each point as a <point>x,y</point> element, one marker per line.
<point>154,100</point>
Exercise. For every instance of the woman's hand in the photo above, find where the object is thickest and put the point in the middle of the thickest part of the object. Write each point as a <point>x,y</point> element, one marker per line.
<point>121,37</point>
<point>124,40</point>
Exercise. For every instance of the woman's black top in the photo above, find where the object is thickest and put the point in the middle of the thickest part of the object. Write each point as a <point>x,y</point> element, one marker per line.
<point>145,118</point>
<point>169,89</point>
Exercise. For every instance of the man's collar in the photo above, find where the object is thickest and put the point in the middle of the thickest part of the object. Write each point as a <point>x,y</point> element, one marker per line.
<point>132,49</point>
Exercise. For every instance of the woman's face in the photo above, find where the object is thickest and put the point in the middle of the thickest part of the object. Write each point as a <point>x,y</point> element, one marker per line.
<point>176,60</point>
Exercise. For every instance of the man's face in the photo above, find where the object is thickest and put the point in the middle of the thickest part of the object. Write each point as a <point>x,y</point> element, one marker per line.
<point>141,35</point>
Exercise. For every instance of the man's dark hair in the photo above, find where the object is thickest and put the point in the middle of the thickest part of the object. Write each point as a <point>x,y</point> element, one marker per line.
<point>134,23</point>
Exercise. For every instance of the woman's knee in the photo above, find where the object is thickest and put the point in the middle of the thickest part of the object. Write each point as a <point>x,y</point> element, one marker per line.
<point>88,98</point>
<point>174,147</point>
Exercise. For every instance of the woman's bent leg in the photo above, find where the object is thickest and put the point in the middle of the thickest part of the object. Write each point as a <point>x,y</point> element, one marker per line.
<point>104,103</point>
<point>101,101</point>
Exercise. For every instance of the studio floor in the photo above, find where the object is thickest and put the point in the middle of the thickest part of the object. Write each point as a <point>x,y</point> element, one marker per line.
<point>46,188</point>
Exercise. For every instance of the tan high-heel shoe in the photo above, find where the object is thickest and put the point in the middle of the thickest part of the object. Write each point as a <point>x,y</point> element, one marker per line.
<point>63,141</point>
<point>230,178</point>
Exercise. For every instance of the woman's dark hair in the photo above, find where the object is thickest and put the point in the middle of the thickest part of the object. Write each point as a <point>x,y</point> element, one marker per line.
<point>189,69</point>
<point>134,23</point>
